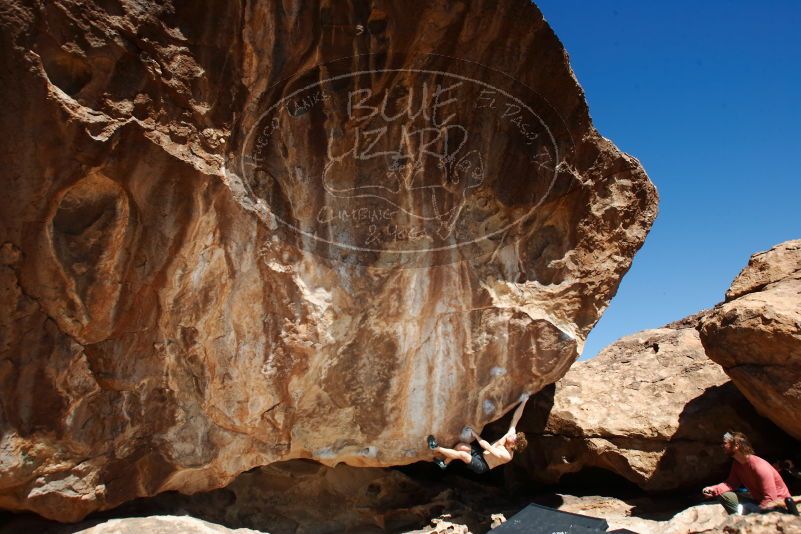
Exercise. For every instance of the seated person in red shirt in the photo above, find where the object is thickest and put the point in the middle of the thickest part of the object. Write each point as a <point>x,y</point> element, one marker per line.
<point>765,485</point>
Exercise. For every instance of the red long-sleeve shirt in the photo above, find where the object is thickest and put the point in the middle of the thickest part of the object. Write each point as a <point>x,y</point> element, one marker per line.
<point>763,482</point>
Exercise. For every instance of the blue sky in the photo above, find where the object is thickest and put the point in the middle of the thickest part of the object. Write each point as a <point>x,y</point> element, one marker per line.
<point>707,95</point>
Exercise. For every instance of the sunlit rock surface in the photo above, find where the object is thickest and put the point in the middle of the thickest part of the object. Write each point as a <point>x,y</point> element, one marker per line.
<point>651,408</point>
<point>164,524</point>
<point>755,335</point>
<point>652,516</point>
<point>222,245</point>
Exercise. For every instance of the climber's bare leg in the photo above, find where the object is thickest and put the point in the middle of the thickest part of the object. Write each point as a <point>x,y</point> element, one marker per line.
<point>464,447</point>
<point>460,451</point>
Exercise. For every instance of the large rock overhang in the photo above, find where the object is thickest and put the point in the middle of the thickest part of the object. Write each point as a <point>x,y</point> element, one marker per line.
<point>224,245</point>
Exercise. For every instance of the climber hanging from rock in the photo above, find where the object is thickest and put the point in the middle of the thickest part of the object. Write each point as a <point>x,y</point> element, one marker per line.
<point>481,456</point>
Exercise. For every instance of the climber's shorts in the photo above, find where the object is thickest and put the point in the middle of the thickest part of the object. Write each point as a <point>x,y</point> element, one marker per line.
<point>477,464</point>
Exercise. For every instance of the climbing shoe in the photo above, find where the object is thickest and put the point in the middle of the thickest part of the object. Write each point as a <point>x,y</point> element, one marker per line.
<point>432,442</point>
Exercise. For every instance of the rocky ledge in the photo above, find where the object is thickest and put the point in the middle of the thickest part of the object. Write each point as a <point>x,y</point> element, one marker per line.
<point>755,335</point>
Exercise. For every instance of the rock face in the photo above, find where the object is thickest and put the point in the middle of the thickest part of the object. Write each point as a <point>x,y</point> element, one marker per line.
<point>304,496</point>
<point>756,334</point>
<point>222,247</point>
<point>707,518</point>
<point>772,523</point>
<point>647,516</point>
<point>651,408</point>
<point>162,525</point>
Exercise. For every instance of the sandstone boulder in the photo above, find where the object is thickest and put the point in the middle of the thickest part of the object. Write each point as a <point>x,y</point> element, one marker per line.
<point>162,525</point>
<point>223,245</point>
<point>647,516</point>
<point>651,408</point>
<point>302,496</point>
<point>772,523</point>
<point>755,335</point>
